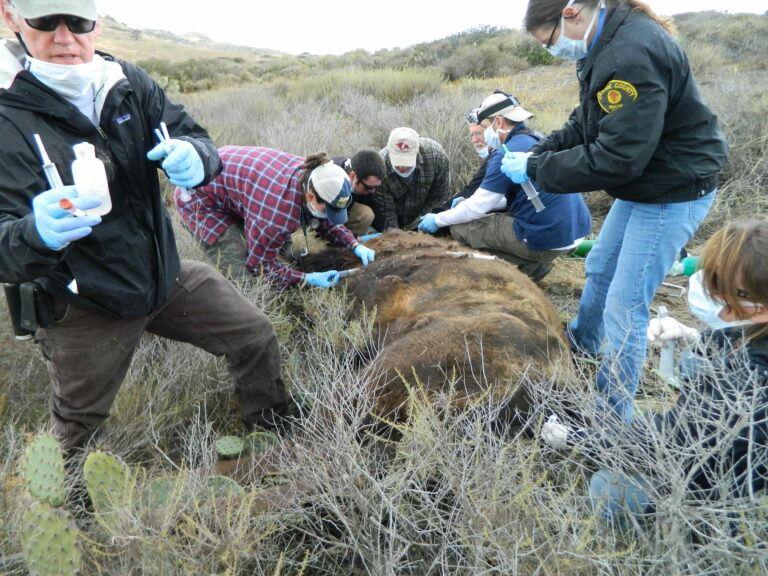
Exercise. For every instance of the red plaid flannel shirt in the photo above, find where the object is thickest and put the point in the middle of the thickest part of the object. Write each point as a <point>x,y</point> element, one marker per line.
<point>262,188</point>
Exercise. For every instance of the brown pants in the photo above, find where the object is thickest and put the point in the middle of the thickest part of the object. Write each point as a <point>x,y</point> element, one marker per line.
<point>359,219</point>
<point>229,253</point>
<point>494,233</point>
<point>88,353</point>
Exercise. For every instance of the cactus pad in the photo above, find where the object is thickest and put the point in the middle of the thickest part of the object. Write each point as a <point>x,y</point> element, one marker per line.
<point>107,479</point>
<point>223,487</point>
<point>160,493</point>
<point>260,441</point>
<point>229,447</point>
<point>44,470</point>
<point>49,541</point>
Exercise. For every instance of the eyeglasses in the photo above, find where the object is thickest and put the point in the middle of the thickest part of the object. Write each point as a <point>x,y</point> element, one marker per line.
<point>369,188</point>
<point>551,36</point>
<point>74,24</point>
<point>471,117</point>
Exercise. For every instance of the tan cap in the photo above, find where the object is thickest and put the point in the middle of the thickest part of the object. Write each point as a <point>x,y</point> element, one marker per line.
<point>37,8</point>
<point>403,146</point>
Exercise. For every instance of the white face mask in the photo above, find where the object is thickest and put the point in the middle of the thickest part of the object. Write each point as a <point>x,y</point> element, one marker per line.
<point>568,48</point>
<point>405,174</point>
<point>69,80</point>
<point>483,152</point>
<point>315,212</point>
<point>706,309</point>
<point>491,138</point>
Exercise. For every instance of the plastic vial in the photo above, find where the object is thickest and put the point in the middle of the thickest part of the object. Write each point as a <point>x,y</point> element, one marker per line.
<point>91,178</point>
<point>668,353</point>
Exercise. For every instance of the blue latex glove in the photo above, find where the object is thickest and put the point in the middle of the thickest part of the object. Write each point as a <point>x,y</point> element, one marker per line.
<point>182,162</point>
<point>322,279</point>
<point>428,223</point>
<point>56,226</point>
<point>456,201</point>
<point>369,236</point>
<point>514,166</point>
<point>365,254</point>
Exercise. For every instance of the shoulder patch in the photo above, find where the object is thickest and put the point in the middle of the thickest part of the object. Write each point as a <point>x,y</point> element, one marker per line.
<point>616,95</point>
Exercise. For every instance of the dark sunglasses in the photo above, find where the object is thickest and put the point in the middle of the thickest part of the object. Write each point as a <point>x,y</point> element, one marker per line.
<point>370,188</point>
<point>75,24</point>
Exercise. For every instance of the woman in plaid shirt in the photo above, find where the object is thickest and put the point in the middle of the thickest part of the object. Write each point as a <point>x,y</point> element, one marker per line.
<point>265,195</point>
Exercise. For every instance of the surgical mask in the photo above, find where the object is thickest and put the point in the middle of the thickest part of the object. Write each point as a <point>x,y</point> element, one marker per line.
<point>314,212</point>
<point>492,138</point>
<point>69,80</point>
<point>705,308</point>
<point>405,174</point>
<point>483,152</point>
<point>568,48</point>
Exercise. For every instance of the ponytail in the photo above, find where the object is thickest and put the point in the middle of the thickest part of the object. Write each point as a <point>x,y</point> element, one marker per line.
<point>310,163</point>
<point>640,6</point>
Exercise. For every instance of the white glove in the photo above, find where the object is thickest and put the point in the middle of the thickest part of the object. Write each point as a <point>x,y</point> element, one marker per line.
<point>555,434</point>
<point>670,329</point>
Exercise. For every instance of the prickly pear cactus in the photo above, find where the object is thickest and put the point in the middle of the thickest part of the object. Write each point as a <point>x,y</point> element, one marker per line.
<point>107,479</point>
<point>229,447</point>
<point>259,441</point>
<point>223,487</point>
<point>43,466</point>
<point>49,541</point>
<point>160,493</point>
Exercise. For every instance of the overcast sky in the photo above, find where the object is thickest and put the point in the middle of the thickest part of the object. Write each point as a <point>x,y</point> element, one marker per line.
<point>338,26</point>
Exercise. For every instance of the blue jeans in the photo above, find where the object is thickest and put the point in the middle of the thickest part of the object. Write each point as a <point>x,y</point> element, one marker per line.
<point>614,494</point>
<point>633,253</point>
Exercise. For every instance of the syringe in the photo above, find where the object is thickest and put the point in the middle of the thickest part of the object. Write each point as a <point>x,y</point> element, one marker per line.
<point>184,193</point>
<point>51,173</point>
<point>529,190</point>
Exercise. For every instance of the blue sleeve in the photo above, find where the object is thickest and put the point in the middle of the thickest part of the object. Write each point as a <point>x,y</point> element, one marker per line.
<point>494,180</point>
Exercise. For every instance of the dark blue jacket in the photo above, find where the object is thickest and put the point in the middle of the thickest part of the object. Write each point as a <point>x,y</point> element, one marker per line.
<point>641,131</point>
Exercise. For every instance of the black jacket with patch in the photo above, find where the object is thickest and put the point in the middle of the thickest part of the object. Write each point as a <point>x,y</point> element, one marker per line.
<point>641,131</point>
<point>128,265</point>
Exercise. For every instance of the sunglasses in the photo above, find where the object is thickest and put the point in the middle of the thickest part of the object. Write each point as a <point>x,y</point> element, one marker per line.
<point>74,24</point>
<point>369,188</point>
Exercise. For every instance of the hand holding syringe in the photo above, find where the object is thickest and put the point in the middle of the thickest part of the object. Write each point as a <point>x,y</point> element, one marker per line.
<point>165,138</point>
<point>529,190</point>
<point>51,173</point>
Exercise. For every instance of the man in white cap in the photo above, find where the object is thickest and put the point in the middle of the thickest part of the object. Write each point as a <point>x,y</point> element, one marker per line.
<point>104,281</point>
<point>519,234</point>
<point>245,218</point>
<point>418,178</point>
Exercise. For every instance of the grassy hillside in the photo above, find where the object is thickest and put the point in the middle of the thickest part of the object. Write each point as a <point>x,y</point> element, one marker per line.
<point>134,44</point>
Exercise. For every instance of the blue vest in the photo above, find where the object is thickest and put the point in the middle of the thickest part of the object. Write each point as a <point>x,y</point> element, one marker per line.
<point>565,217</point>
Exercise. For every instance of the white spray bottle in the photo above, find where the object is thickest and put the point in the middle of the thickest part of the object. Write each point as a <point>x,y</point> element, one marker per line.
<point>90,177</point>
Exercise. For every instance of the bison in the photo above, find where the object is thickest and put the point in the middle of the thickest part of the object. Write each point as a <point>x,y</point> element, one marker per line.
<point>450,320</point>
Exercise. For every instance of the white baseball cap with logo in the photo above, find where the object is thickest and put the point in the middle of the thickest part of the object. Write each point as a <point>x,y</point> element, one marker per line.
<point>333,186</point>
<point>403,147</point>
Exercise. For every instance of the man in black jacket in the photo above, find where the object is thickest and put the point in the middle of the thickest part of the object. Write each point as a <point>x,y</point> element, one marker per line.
<point>109,279</point>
